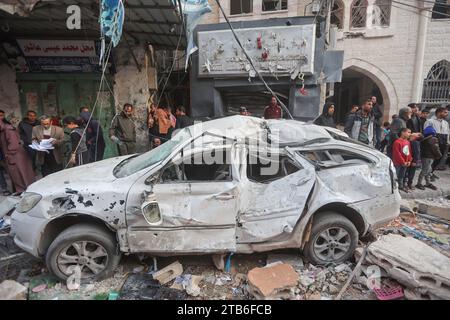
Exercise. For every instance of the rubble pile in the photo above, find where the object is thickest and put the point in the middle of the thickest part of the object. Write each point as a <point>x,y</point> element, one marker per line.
<point>424,271</point>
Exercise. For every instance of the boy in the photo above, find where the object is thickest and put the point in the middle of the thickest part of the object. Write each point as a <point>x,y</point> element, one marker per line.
<point>402,156</point>
<point>429,152</point>
<point>416,160</point>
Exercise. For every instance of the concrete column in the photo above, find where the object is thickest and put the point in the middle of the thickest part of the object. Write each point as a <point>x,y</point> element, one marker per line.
<point>420,54</point>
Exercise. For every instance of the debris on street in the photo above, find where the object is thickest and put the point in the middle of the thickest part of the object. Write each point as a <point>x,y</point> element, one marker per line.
<point>12,290</point>
<point>168,273</point>
<point>273,281</point>
<point>423,270</point>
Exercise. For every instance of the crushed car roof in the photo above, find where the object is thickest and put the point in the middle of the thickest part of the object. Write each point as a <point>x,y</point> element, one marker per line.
<point>283,132</point>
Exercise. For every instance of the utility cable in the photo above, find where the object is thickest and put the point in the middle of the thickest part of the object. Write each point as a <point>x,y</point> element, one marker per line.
<point>251,61</point>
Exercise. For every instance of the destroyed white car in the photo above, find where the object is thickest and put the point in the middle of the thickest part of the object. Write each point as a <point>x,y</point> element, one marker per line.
<point>237,184</point>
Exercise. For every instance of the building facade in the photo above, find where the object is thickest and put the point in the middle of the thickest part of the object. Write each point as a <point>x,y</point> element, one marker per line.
<point>398,51</point>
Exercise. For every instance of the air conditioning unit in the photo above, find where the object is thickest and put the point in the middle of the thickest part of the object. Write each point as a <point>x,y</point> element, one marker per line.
<point>315,7</point>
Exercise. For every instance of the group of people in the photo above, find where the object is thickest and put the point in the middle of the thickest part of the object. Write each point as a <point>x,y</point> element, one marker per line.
<point>413,139</point>
<point>21,161</point>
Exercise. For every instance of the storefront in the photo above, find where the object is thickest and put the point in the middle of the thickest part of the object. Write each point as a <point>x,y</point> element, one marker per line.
<point>58,77</point>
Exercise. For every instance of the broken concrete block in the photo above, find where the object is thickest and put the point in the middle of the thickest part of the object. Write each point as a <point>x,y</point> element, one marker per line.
<point>293,259</point>
<point>168,273</point>
<point>438,208</point>
<point>12,290</point>
<point>272,282</point>
<point>413,264</point>
<point>193,288</point>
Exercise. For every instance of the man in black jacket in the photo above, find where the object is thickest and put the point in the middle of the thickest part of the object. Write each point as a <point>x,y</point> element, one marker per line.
<point>377,112</point>
<point>183,120</point>
<point>326,118</point>
<point>26,131</point>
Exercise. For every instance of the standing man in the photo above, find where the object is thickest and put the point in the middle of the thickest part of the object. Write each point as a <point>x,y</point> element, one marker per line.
<point>439,123</point>
<point>183,120</point>
<point>50,162</point>
<point>378,116</point>
<point>273,110</point>
<point>423,118</point>
<point>414,122</point>
<point>326,118</point>
<point>17,162</point>
<point>79,151</point>
<point>94,137</point>
<point>123,131</point>
<point>164,123</point>
<point>361,125</point>
<point>26,132</point>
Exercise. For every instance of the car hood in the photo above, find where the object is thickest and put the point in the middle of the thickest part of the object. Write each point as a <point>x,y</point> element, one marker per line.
<point>100,172</point>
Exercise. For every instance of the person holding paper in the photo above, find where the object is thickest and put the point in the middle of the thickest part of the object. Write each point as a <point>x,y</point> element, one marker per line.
<point>51,161</point>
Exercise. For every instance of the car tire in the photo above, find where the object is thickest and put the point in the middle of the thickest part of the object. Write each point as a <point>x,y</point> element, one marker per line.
<point>333,239</point>
<point>91,247</point>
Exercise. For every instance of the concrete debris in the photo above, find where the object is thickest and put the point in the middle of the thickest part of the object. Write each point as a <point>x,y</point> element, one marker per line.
<point>293,259</point>
<point>168,273</point>
<point>414,264</point>
<point>272,282</point>
<point>193,288</point>
<point>12,290</point>
<point>222,280</point>
<point>436,207</point>
<point>342,267</point>
<point>239,279</point>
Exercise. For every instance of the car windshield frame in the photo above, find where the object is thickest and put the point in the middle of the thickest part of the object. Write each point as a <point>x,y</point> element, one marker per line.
<point>145,160</point>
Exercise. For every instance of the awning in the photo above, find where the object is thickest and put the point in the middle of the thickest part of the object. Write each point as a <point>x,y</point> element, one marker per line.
<point>155,22</point>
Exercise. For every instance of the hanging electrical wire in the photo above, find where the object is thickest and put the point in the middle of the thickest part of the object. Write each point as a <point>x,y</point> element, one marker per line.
<point>251,61</point>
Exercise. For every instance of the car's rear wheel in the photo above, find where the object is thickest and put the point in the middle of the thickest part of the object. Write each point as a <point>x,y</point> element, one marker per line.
<point>91,248</point>
<point>333,239</point>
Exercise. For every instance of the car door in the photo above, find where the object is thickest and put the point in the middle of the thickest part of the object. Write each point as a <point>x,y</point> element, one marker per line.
<point>187,207</point>
<point>272,203</point>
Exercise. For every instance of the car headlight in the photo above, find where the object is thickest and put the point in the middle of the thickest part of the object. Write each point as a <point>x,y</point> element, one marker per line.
<point>28,201</point>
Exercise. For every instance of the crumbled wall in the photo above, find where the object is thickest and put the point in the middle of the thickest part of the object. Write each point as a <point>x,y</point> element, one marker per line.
<point>9,94</point>
<point>131,86</point>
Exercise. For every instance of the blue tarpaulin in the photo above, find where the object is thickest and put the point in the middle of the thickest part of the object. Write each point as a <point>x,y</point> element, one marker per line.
<point>193,10</point>
<point>111,19</point>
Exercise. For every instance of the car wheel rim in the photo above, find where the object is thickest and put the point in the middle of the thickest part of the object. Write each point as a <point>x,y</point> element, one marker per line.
<point>332,244</point>
<point>91,257</point>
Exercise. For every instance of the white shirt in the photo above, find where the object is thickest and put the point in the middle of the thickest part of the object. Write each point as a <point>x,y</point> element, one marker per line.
<point>440,125</point>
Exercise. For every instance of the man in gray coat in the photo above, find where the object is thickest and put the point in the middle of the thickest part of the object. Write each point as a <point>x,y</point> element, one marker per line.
<point>123,131</point>
<point>361,125</point>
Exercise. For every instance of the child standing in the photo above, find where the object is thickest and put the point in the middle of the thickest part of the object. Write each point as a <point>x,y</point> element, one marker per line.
<point>416,162</point>
<point>429,152</point>
<point>402,156</point>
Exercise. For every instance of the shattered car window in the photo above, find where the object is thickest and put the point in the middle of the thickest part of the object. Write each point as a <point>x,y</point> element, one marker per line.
<point>135,164</point>
<point>257,168</point>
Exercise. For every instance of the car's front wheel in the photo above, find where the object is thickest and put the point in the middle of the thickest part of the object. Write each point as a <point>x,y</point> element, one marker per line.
<point>89,247</point>
<point>333,239</point>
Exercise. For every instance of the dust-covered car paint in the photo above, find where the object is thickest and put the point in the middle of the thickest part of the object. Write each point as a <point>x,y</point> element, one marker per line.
<point>231,212</point>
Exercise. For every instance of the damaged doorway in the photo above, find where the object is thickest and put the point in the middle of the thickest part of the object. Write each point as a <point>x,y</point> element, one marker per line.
<point>354,89</point>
